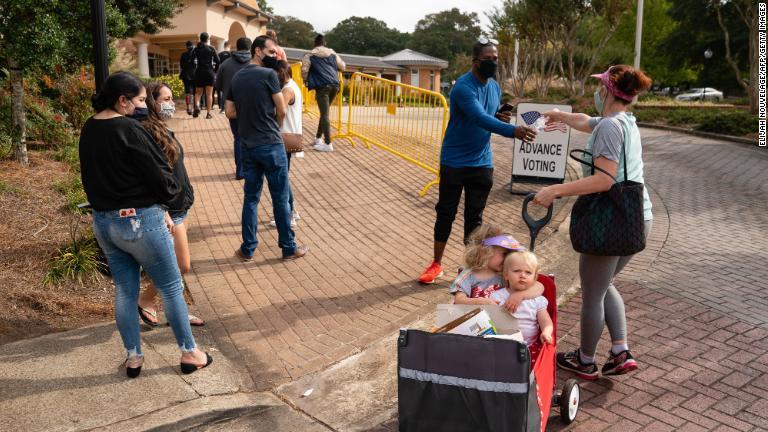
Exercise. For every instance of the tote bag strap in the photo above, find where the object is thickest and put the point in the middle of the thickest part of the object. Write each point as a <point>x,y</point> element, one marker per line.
<point>592,163</point>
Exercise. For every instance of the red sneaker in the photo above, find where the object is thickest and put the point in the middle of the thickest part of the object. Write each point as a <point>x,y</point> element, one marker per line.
<point>434,271</point>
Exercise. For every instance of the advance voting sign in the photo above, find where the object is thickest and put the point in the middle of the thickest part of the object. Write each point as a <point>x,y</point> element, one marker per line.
<point>547,155</point>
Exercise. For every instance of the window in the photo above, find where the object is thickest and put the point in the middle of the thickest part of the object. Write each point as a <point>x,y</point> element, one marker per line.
<point>158,65</point>
<point>432,80</point>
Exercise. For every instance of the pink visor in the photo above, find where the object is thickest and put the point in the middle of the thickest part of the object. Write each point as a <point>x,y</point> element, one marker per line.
<point>605,78</point>
<point>505,241</point>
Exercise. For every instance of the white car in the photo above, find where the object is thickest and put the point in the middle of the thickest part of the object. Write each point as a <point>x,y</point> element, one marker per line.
<point>706,93</point>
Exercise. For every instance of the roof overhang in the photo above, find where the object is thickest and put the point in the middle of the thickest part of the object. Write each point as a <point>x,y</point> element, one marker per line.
<point>249,11</point>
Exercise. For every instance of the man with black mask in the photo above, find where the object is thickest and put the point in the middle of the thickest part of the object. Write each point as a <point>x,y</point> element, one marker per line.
<point>255,99</point>
<point>466,162</point>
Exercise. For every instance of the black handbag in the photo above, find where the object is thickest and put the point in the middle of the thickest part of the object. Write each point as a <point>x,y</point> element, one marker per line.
<point>609,223</point>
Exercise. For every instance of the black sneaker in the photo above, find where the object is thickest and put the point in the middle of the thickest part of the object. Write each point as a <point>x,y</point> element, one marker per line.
<point>619,364</point>
<point>571,361</point>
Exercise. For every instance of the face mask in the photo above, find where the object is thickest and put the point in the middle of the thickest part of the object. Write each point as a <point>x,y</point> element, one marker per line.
<point>140,113</point>
<point>599,103</point>
<point>167,109</point>
<point>270,62</point>
<point>487,68</point>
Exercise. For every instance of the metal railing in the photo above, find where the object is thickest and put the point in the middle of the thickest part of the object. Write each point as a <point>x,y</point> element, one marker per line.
<point>401,119</point>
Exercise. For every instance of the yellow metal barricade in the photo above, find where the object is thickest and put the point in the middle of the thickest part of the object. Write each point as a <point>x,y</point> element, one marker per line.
<point>404,120</point>
<point>310,104</point>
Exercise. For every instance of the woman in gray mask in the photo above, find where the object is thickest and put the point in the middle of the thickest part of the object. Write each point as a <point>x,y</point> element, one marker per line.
<point>162,108</point>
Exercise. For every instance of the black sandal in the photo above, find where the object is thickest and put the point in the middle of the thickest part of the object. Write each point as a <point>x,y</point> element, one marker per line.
<point>132,372</point>
<point>188,368</point>
<point>146,320</point>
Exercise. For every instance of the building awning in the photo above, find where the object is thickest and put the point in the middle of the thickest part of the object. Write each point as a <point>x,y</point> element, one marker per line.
<point>249,8</point>
<point>409,57</point>
<point>365,63</point>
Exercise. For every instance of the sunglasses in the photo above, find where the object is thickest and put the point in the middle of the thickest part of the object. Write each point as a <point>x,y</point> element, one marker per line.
<point>486,40</point>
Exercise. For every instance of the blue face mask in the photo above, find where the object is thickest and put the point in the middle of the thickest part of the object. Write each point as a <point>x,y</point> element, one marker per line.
<point>599,103</point>
<point>140,113</point>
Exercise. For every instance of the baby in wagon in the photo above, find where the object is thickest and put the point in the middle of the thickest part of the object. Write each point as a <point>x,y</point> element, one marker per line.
<point>520,271</point>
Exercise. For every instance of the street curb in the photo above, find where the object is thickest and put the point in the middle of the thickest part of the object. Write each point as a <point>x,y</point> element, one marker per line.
<point>712,135</point>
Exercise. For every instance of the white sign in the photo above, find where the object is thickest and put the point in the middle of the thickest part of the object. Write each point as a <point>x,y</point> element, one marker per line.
<point>547,155</point>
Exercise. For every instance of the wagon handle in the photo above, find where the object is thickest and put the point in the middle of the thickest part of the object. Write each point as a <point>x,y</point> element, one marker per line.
<point>534,226</point>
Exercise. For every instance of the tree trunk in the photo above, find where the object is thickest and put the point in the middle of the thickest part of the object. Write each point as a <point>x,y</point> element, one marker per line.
<point>754,62</point>
<point>19,114</point>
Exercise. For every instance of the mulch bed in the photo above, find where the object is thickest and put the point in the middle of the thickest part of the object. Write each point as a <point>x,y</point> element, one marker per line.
<point>33,225</point>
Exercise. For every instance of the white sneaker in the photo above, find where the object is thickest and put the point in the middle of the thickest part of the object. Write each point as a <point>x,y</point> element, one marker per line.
<point>319,143</point>
<point>299,154</point>
<point>296,215</point>
<point>325,148</point>
<point>273,223</point>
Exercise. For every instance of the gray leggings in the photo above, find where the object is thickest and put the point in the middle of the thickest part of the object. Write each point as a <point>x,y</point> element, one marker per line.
<point>601,302</point>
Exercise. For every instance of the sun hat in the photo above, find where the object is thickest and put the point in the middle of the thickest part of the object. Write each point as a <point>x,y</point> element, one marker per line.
<point>505,241</point>
<point>605,78</point>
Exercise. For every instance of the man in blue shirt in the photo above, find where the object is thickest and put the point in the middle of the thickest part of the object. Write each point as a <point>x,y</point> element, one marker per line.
<point>466,160</point>
<point>255,99</point>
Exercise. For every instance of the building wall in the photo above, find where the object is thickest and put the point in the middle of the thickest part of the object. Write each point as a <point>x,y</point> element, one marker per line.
<point>424,77</point>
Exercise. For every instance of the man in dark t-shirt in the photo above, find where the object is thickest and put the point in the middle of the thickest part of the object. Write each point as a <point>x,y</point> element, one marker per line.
<point>255,100</point>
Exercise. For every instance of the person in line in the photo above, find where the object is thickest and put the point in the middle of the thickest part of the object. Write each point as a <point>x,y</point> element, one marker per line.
<point>278,49</point>
<point>207,63</point>
<point>128,183</point>
<point>256,100</point>
<point>291,123</point>
<point>521,273</point>
<point>466,160</point>
<point>187,74</point>
<point>319,69</point>
<point>601,302</point>
<point>239,59</point>
<point>484,257</point>
<point>161,109</point>
<point>223,56</point>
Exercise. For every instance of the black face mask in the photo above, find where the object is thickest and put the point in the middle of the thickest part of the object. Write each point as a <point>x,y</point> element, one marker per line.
<point>487,68</point>
<point>270,62</point>
<point>140,113</point>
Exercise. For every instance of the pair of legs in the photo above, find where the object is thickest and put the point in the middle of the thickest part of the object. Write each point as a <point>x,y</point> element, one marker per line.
<point>184,261</point>
<point>325,97</point>
<point>208,98</point>
<point>270,161</point>
<point>189,95</point>
<point>601,302</point>
<point>130,244</point>
<point>477,184</point>
<point>238,152</point>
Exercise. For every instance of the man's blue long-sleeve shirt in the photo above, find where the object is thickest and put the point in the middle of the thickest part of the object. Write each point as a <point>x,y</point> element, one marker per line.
<point>467,141</point>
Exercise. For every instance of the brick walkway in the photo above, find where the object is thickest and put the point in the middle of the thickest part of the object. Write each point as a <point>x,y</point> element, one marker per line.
<point>370,237</point>
<point>696,299</point>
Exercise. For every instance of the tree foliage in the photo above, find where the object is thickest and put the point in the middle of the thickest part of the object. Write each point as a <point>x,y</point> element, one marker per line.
<point>445,34</point>
<point>365,36</point>
<point>293,32</point>
<point>264,6</point>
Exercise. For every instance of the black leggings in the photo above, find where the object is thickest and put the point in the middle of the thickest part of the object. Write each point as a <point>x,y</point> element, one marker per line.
<point>477,183</point>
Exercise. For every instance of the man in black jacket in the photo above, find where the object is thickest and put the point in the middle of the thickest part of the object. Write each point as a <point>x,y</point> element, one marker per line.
<point>238,60</point>
<point>223,55</point>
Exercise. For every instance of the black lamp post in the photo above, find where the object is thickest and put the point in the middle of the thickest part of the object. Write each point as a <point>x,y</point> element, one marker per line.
<point>99,30</point>
<point>707,55</point>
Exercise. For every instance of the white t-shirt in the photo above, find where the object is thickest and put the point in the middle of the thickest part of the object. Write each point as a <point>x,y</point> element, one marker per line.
<point>292,122</point>
<point>525,314</point>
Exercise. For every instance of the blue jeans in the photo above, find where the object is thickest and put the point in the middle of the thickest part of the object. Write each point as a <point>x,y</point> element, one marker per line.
<point>259,161</point>
<point>130,244</point>
<point>238,151</point>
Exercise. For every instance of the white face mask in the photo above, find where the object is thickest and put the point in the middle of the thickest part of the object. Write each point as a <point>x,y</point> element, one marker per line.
<point>166,110</point>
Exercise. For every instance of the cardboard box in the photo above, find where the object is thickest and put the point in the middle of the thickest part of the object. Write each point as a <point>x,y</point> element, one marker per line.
<point>504,324</point>
<point>476,322</point>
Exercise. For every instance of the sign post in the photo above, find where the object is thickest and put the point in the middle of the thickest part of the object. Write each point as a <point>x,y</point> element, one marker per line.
<point>543,160</point>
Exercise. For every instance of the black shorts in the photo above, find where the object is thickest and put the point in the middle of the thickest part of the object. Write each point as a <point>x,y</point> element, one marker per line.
<point>204,77</point>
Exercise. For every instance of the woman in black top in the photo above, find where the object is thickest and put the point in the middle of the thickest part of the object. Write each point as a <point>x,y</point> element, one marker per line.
<point>161,108</point>
<point>207,64</point>
<point>128,183</point>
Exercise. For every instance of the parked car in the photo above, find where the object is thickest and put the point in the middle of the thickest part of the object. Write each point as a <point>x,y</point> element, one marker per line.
<point>704,93</point>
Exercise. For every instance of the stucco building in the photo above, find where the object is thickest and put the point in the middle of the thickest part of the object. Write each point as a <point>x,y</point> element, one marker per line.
<point>223,20</point>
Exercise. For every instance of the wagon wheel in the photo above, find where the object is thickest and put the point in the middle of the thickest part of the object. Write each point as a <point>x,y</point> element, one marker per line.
<point>569,401</point>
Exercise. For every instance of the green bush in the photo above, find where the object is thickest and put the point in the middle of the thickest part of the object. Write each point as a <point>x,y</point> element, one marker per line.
<point>75,91</point>
<point>733,123</point>
<point>77,260</point>
<point>70,155</point>
<point>72,189</point>
<point>173,82</point>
